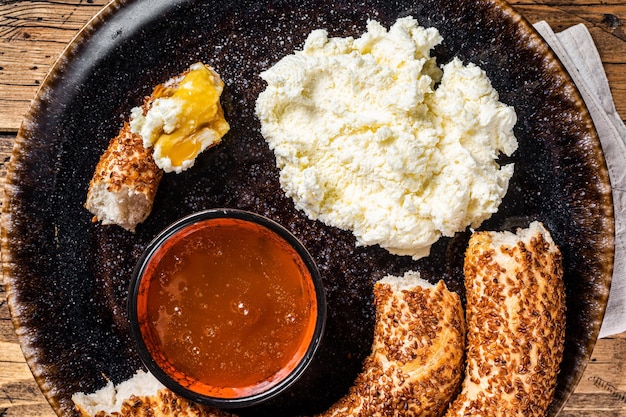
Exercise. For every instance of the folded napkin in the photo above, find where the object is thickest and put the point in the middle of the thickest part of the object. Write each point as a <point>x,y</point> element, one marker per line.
<point>577,51</point>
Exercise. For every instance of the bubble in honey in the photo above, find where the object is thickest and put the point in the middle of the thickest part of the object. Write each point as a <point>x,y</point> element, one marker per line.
<point>290,318</point>
<point>241,308</point>
<point>212,332</point>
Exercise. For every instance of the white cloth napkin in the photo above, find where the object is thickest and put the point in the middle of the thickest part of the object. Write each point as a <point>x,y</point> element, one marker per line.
<point>578,53</point>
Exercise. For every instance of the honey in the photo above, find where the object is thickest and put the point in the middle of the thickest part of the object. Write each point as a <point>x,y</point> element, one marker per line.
<point>227,307</point>
<point>201,113</point>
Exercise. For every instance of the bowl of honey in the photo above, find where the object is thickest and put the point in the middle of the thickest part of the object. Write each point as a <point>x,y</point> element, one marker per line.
<point>226,308</point>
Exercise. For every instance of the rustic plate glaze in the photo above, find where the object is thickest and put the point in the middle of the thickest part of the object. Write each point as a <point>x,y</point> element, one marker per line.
<point>67,277</point>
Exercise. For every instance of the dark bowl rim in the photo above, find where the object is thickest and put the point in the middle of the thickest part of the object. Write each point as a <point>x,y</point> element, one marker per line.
<point>143,351</point>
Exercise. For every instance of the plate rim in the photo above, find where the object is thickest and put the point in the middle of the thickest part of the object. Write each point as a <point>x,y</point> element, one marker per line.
<point>114,6</point>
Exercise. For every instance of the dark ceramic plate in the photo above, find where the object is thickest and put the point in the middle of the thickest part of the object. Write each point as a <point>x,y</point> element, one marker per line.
<point>67,277</point>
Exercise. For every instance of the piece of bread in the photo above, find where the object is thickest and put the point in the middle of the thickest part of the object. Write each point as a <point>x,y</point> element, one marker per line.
<point>126,179</point>
<point>414,369</point>
<point>182,118</point>
<point>140,396</point>
<point>125,182</point>
<point>515,313</point>
<point>416,363</point>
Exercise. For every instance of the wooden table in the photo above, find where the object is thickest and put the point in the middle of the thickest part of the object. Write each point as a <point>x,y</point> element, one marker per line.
<point>32,35</point>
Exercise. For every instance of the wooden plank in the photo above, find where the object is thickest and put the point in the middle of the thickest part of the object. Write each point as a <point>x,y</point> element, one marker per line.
<point>616,73</point>
<point>602,388</point>
<point>33,34</point>
<point>19,393</point>
<point>7,332</point>
<point>36,36</point>
<point>596,402</point>
<point>22,397</point>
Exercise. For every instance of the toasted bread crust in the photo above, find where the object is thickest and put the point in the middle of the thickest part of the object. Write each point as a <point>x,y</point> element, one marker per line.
<point>164,404</point>
<point>127,163</point>
<point>416,362</point>
<point>516,324</point>
<point>124,183</point>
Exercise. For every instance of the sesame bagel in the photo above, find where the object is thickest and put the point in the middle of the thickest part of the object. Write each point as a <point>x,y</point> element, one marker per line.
<point>515,316</point>
<point>415,366</point>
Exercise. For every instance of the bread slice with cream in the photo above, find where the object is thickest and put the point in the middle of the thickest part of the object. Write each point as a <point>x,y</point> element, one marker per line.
<point>124,183</point>
<point>181,118</point>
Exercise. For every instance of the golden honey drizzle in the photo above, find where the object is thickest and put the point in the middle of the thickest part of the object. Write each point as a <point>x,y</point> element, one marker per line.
<point>202,115</point>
